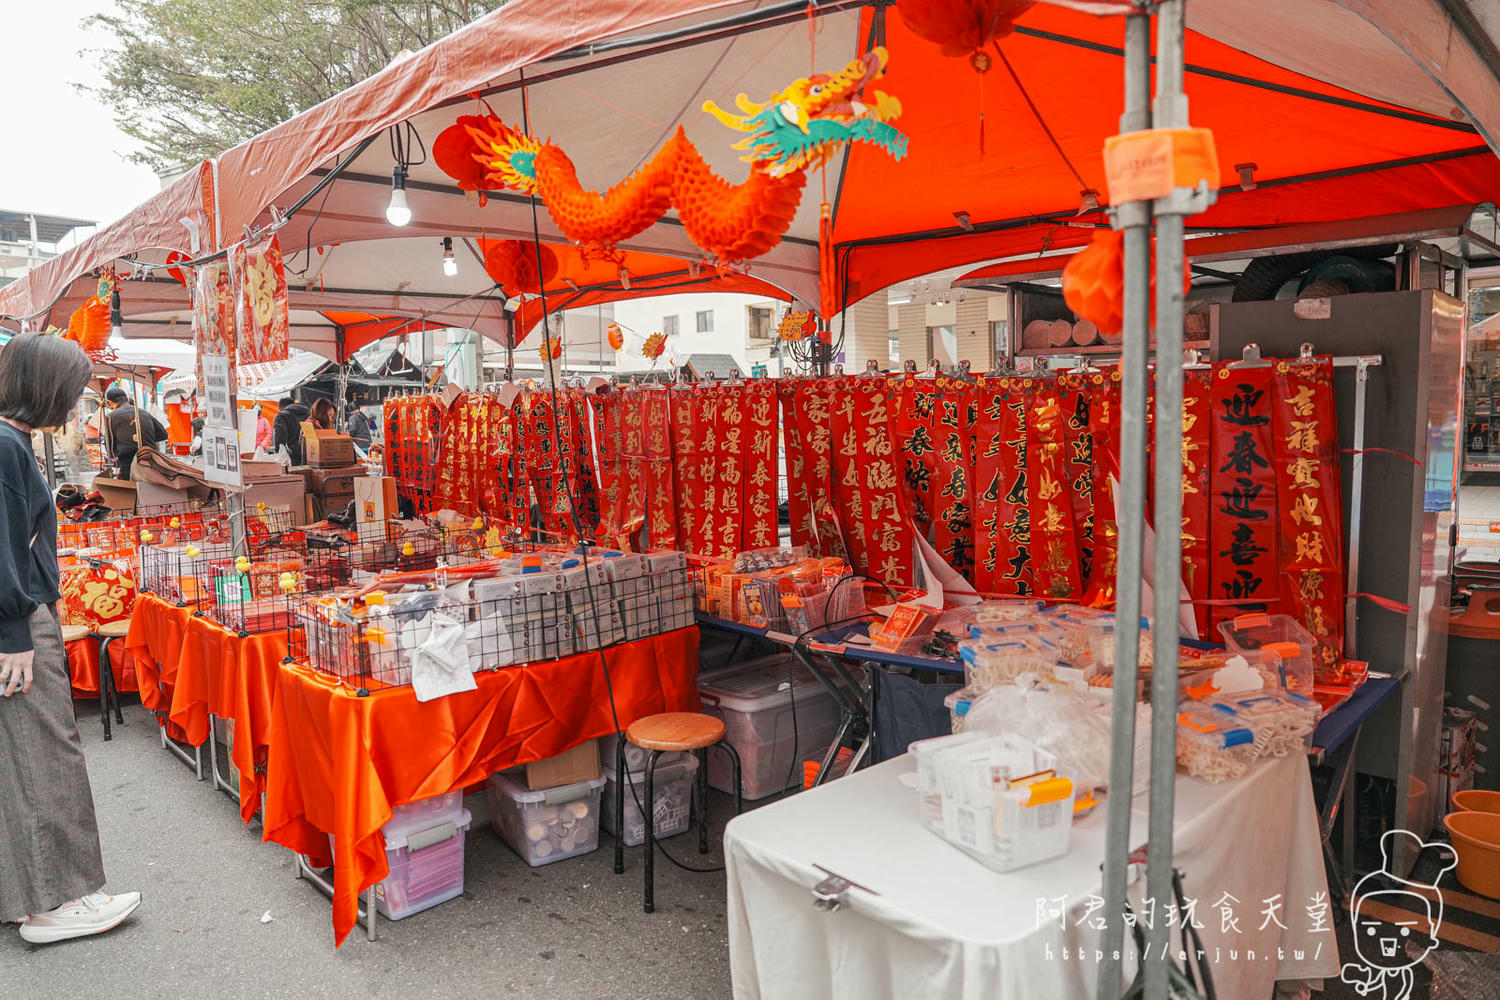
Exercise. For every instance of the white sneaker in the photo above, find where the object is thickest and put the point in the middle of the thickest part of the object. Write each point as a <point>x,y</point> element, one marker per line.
<point>92,914</point>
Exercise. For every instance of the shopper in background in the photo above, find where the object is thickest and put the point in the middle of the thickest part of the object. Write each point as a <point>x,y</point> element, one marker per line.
<point>323,416</point>
<point>264,437</point>
<point>359,428</point>
<point>287,429</point>
<point>51,871</point>
<point>122,421</point>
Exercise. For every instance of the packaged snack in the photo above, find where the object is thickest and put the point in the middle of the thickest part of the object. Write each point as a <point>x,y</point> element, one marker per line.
<point>1211,744</point>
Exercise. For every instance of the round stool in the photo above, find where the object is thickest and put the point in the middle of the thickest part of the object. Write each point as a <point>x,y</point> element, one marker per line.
<point>72,633</point>
<point>692,732</point>
<point>106,634</point>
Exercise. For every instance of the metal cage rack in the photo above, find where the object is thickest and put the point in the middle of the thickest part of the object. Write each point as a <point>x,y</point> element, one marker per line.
<point>252,597</point>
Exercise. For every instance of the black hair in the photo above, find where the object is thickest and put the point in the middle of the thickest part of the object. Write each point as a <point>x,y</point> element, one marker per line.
<point>285,401</point>
<point>41,378</point>
<point>116,395</point>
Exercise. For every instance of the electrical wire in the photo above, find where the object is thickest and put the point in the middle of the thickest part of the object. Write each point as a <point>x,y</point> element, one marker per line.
<point>583,547</point>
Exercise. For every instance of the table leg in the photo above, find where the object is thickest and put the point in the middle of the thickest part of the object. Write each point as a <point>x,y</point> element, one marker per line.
<point>368,912</point>
<point>1351,814</point>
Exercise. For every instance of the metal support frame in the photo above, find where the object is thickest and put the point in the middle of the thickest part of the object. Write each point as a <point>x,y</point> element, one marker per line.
<point>193,760</point>
<point>366,910</point>
<point>221,783</point>
<point>1135,219</point>
<point>1362,366</point>
<point>1169,111</point>
<point>856,702</point>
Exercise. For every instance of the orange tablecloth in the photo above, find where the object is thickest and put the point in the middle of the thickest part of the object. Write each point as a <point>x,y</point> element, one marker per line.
<point>155,642</point>
<point>83,665</point>
<point>233,677</point>
<point>339,763</point>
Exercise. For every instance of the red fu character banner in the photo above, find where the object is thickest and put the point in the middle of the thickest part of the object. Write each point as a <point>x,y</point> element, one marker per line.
<point>1244,567</point>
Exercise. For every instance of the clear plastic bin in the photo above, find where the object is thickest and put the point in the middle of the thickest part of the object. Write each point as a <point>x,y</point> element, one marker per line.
<point>424,847</point>
<point>1212,744</point>
<point>1282,722</point>
<point>757,705</point>
<point>990,662</point>
<point>672,793</point>
<point>957,704</point>
<point>1088,637</point>
<point>547,825</point>
<point>1278,634</point>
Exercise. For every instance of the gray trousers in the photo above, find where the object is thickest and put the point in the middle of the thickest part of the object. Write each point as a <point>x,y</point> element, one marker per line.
<point>49,841</point>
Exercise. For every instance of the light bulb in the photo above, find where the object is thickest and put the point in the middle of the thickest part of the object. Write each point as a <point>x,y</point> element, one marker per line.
<point>450,263</point>
<point>398,213</point>
<point>116,322</point>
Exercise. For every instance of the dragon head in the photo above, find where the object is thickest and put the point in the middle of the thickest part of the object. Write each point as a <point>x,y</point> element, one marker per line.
<point>803,125</point>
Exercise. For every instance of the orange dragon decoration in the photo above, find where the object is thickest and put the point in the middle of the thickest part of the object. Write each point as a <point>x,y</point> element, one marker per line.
<point>799,129</point>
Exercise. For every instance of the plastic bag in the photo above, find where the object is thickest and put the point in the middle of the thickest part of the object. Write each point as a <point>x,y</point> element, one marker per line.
<point>1063,721</point>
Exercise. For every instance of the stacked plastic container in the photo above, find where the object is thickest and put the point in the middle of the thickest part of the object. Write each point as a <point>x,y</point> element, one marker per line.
<point>672,794</point>
<point>775,715</point>
<point>549,824</point>
<point>1212,744</point>
<point>424,846</point>
<point>1279,636</point>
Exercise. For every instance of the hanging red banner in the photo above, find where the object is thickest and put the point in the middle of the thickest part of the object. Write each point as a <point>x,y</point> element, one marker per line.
<point>760,527</point>
<point>262,318</point>
<point>1054,552</point>
<point>799,503</point>
<point>1074,397</point>
<point>1243,567</point>
<point>816,398</point>
<point>706,422</point>
<point>1197,506</point>
<point>1310,506</point>
<point>988,486</point>
<point>661,482</point>
<point>608,428</point>
<point>921,473</point>
<point>732,438</point>
<point>686,456</point>
<point>953,512</point>
<point>1104,431</point>
<point>497,498</point>
<point>866,485</point>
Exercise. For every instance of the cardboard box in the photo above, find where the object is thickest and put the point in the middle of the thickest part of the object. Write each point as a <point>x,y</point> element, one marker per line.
<point>118,494</point>
<point>326,449</point>
<point>375,499</point>
<point>578,764</point>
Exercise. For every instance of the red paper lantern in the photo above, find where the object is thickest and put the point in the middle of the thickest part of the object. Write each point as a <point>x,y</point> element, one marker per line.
<point>1093,283</point>
<point>512,263</point>
<point>456,153</point>
<point>962,27</point>
<point>616,336</point>
<point>93,329</point>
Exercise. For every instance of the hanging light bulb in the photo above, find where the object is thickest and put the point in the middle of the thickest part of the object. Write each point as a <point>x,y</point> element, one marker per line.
<point>398,213</point>
<point>116,321</point>
<point>450,263</point>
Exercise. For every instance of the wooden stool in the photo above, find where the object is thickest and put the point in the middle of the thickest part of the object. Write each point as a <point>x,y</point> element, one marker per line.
<point>108,693</point>
<point>693,732</point>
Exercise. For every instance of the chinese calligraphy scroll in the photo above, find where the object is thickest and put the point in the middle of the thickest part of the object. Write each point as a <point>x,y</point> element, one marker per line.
<point>1243,564</point>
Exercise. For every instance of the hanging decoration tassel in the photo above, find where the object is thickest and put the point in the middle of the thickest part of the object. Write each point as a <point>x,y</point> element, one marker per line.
<point>828,281</point>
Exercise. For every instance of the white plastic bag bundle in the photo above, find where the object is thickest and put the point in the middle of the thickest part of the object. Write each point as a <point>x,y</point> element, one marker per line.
<point>1059,719</point>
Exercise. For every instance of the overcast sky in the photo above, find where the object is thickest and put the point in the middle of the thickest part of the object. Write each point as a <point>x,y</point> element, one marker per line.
<point>64,155</point>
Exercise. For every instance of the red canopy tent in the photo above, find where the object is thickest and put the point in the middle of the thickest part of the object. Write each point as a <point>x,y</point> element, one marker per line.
<point>1347,109</point>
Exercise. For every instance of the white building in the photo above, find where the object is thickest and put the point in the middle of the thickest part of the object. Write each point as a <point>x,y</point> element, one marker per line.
<point>704,323</point>
<point>28,238</point>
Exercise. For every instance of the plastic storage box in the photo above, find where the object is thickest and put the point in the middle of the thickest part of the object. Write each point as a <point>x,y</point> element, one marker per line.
<point>672,792</point>
<point>1212,744</point>
<point>635,757</point>
<point>424,846</point>
<point>1278,634</point>
<point>1282,722</point>
<point>547,825</point>
<point>757,704</point>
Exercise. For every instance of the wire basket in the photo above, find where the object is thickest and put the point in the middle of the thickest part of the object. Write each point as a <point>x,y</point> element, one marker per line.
<point>653,592</point>
<point>253,599</point>
<point>181,573</point>
<point>521,619</point>
<point>122,532</point>
<point>368,646</point>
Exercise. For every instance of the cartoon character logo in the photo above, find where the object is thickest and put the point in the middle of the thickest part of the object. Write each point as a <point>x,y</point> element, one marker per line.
<point>1396,922</point>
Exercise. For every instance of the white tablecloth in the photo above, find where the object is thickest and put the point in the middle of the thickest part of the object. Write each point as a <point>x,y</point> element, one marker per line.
<point>945,926</point>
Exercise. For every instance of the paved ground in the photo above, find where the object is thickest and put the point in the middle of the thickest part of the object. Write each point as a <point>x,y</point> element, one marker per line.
<point>572,929</point>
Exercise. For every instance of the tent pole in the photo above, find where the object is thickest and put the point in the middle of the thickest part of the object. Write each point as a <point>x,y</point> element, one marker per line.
<point>341,384</point>
<point>1130,506</point>
<point>1168,111</point>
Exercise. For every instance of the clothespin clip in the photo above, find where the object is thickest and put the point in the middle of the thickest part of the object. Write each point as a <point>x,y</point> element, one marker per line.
<point>1250,358</point>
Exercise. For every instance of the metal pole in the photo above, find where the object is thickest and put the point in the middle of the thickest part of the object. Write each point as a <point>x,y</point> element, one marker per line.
<point>1169,111</point>
<point>1356,510</point>
<point>341,382</point>
<point>1130,507</point>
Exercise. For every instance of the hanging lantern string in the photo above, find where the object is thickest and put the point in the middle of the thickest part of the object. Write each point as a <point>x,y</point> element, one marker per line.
<point>1036,112</point>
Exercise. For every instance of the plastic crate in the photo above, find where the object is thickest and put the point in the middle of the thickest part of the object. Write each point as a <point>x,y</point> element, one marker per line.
<point>547,825</point>
<point>671,794</point>
<point>424,847</point>
<point>1279,634</point>
<point>756,704</point>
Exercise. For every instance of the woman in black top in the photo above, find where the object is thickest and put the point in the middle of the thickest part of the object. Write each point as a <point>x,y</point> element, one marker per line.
<point>50,868</point>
